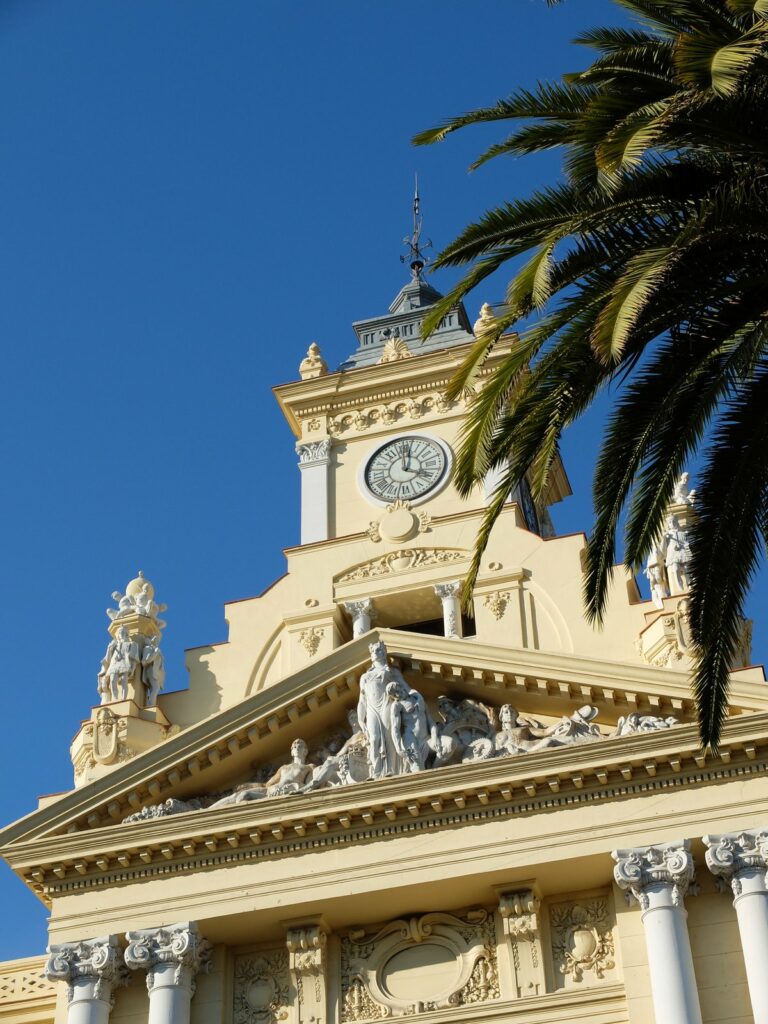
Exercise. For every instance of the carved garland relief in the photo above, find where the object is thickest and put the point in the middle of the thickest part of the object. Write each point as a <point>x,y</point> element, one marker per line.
<point>400,561</point>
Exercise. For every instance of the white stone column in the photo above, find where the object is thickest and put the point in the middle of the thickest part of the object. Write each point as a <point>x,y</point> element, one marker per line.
<point>740,860</point>
<point>172,957</point>
<point>658,878</point>
<point>449,594</point>
<point>361,613</point>
<point>314,462</point>
<point>93,969</point>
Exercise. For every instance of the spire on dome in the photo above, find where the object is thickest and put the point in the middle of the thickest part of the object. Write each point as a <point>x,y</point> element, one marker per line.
<point>380,336</point>
<point>415,256</point>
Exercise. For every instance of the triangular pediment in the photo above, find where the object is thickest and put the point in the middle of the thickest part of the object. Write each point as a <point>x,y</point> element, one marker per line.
<point>228,747</point>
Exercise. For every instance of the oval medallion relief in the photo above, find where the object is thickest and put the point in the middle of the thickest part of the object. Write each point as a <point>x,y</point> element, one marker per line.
<point>421,973</point>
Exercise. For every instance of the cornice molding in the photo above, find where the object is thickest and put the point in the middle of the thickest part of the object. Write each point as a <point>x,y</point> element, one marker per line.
<point>441,799</point>
<point>179,765</point>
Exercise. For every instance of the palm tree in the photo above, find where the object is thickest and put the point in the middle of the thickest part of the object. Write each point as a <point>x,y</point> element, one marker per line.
<point>646,269</point>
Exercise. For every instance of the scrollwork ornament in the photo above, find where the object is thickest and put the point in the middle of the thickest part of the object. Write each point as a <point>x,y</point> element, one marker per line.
<point>729,857</point>
<point>637,870</point>
<point>98,960</point>
<point>180,945</point>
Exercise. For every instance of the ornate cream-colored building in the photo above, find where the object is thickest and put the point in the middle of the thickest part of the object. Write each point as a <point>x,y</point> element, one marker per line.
<point>368,805</point>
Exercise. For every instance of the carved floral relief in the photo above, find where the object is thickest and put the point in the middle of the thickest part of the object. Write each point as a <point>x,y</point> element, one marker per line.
<point>261,990</point>
<point>582,941</point>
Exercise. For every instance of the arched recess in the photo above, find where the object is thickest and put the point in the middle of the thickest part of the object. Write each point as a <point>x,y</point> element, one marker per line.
<point>547,627</point>
<point>266,660</point>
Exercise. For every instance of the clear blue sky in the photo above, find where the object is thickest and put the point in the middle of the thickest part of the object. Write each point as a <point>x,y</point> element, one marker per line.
<point>190,192</point>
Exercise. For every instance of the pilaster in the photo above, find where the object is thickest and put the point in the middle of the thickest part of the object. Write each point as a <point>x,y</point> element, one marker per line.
<point>308,967</point>
<point>519,912</point>
<point>314,463</point>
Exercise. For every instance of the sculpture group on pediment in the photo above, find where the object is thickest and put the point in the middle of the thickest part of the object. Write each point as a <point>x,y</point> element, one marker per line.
<point>393,731</point>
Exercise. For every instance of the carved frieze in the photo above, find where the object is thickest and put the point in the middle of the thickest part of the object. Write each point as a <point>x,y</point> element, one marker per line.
<point>401,561</point>
<point>417,965</point>
<point>582,941</point>
<point>361,420</point>
<point>261,990</point>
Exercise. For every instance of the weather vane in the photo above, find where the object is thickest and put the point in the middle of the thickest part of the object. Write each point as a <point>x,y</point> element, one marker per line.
<point>415,256</point>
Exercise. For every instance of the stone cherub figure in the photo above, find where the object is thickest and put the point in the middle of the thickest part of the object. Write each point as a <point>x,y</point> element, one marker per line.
<point>118,666</point>
<point>289,778</point>
<point>412,725</point>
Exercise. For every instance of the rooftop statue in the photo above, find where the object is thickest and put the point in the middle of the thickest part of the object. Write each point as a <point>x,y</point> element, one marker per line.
<point>683,494</point>
<point>677,555</point>
<point>137,600</point>
<point>118,666</point>
<point>152,669</point>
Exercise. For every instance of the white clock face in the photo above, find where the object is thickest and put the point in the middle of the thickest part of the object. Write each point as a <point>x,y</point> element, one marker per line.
<point>407,468</point>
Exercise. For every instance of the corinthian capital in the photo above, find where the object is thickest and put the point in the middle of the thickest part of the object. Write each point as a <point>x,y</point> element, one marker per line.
<point>96,960</point>
<point>313,452</point>
<point>655,875</point>
<point>446,590</point>
<point>177,945</point>
<point>739,856</point>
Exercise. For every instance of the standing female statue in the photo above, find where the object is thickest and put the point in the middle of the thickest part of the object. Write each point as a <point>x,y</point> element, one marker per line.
<point>374,711</point>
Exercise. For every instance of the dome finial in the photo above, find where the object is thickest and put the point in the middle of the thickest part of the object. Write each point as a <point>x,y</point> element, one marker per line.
<point>415,255</point>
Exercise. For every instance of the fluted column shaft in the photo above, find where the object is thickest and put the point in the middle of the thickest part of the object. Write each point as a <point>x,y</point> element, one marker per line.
<point>741,861</point>
<point>172,957</point>
<point>92,969</point>
<point>658,878</point>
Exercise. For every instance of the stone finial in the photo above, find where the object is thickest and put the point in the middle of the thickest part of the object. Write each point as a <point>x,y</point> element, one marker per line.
<point>648,871</point>
<point>313,364</point>
<point>97,961</point>
<point>486,322</point>
<point>394,350</point>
